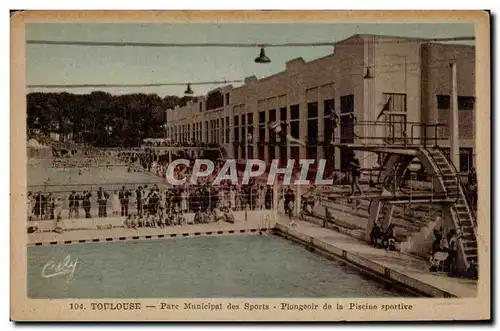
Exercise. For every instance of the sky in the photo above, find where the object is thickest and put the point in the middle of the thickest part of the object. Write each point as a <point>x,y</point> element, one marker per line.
<point>56,65</point>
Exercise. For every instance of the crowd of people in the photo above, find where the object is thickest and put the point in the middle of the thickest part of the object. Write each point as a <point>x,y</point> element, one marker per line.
<point>444,251</point>
<point>82,163</point>
<point>158,142</point>
<point>172,216</point>
<point>149,199</point>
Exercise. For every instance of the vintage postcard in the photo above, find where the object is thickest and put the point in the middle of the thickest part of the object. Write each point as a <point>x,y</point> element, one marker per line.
<point>250,166</point>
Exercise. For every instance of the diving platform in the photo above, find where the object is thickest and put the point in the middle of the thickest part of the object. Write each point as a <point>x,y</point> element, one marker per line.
<point>420,197</point>
<point>179,148</point>
<point>400,149</point>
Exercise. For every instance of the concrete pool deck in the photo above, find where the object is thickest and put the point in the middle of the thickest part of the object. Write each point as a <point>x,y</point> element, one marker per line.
<point>88,233</point>
<point>406,270</point>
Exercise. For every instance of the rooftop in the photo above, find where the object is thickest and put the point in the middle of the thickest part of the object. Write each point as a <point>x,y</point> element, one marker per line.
<point>354,39</point>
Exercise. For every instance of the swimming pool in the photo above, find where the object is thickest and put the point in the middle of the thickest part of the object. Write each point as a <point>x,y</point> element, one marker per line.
<point>204,267</point>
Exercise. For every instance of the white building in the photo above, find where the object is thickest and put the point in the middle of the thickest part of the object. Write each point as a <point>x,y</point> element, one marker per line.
<point>365,72</point>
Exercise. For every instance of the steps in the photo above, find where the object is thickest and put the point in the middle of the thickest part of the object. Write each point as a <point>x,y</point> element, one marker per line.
<point>462,213</point>
<point>405,225</point>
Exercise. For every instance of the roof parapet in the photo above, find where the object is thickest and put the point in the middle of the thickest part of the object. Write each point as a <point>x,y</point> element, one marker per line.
<point>295,64</point>
<point>250,79</point>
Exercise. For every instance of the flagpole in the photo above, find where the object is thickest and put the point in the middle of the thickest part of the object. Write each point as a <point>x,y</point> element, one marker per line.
<point>454,136</point>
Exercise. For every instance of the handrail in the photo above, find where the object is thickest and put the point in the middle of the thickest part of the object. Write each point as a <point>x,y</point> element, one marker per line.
<point>426,125</point>
<point>392,175</point>
<point>461,186</point>
<point>405,139</point>
<point>441,174</point>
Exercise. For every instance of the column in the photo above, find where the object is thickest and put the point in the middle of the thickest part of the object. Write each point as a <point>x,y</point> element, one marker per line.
<point>453,121</point>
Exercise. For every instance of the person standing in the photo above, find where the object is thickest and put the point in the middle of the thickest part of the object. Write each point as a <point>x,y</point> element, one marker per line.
<point>116,204</point>
<point>232,197</point>
<point>328,218</point>
<point>124,196</point>
<point>261,196</point>
<point>452,252</point>
<point>161,203</point>
<point>153,201</point>
<point>86,203</point>
<point>39,205</point>
<point>58,206</point>
<point>139,196</point>
<point>237,194</point>
<point>74,204</point>
<point>286,199</point>
<point>29,206</point>
<point>184,201</point>
<point>290,206</point>
<point>102,199</point>
<point>355,175</point>
<point>269,197</point>
<point>51,205</point>
<point>438,234</point>
<point>289,202</point>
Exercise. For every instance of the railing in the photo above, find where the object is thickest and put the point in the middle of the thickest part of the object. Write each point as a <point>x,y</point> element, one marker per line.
<point>441,175</point>
<point>182,145</point>
<point>400,138</point>
<point>68,188</point>
<point>435,138</point>
<point>187,202</point>
<point>369,176</point>
<point>462,187</point>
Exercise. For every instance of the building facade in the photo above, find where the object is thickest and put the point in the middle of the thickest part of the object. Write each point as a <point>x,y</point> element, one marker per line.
<point>410,78</point>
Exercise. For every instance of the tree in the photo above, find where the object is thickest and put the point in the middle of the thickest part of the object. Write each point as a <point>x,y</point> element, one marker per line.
<point>99,118</point>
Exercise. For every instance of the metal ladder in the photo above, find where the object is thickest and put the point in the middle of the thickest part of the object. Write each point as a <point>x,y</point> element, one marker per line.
<point>461,210</point>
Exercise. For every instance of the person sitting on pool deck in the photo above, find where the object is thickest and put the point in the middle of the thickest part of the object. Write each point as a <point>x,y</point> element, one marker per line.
<point>375,234</point>
<point>390,238</point>
<point>228,214</point>
<point>198,216</point>
<point>218,216</point>
<point>127,223</point>
<point>148,221</point>
<point>161,221</point>
<point>170,219</point>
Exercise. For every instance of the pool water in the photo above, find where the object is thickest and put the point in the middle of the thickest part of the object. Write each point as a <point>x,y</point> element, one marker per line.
<point>203,267</point>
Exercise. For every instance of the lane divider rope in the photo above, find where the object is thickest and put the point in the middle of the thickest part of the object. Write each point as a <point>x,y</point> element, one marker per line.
<point>159,236</point>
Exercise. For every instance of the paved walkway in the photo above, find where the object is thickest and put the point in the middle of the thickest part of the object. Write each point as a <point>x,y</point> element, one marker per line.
<point>403,263</point>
